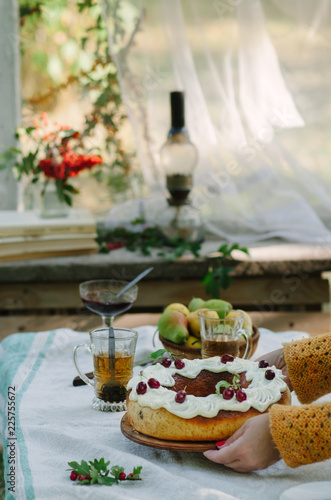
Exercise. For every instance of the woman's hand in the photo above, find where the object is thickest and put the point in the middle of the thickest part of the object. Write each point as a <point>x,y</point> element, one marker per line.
<point>277,359</point>
<point>250,448</point>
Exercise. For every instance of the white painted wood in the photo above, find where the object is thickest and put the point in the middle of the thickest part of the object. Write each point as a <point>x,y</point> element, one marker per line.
<point>10,95</point>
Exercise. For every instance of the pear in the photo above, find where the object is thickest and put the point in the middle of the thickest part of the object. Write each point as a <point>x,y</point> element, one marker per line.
<point>195,304</point>
<point>247,324</point>
<point>234,313</point>
<point>172,326</point>
<point>217,304</point>
<point>221,306</point>
<point>194,322</point>
<point>176,306</point>
<point>193,342</point>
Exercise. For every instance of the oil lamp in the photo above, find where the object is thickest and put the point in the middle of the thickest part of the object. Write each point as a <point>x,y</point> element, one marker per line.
<point>179,157</point>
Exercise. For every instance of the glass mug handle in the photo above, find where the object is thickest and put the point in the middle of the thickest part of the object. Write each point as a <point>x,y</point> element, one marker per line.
<point>82,375</point>
<point>249,342</point>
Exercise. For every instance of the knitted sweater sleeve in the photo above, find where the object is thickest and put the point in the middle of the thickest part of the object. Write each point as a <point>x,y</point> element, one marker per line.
<point>303,433</point>
<point>308,364</point>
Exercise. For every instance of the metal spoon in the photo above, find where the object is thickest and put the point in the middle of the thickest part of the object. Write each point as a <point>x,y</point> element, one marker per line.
<point>111,353</point>
<point>134,281</point>
<point>113,390</point>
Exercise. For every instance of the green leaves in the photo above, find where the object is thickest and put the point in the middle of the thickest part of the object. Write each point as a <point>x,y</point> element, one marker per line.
<point>220,277</point>
<point>181,247</point>
<point>116,470</point>
<point>217,279</point>
<point>108,481</point>
<point>157,354</point>
<point>27,165</point>
<point>8,158</point>
<point>82,469</point>
<point>145,240</point>
<point>136,473</point>
<point>64,191</point>
<point>97,472</point>
<point>100,465</point>
<point>226,250</point>
<point>85,4</point>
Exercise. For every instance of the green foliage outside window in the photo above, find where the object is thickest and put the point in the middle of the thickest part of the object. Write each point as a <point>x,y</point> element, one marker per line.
<point>64,45</point>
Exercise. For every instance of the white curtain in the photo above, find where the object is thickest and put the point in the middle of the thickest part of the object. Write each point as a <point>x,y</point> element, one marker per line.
<point>257,78</point>
<point>10,96</point>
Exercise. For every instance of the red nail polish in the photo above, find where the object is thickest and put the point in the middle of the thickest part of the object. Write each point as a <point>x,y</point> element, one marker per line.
<point>220,443</point>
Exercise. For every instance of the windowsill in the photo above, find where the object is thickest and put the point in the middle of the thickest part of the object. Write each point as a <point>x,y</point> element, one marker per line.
<point>267,260</point>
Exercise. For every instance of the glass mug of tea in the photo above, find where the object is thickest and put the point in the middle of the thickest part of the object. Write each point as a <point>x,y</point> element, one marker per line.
<point>113,368</point>
<point>223,335</point>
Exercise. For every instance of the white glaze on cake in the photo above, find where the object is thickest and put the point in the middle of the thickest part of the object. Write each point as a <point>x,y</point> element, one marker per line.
<point>261,392</point>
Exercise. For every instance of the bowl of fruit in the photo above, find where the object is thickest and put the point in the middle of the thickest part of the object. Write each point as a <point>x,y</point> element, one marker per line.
<point>179,327</point>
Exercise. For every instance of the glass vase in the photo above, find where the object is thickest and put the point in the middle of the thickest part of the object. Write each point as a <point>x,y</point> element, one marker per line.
<point>50,206</point>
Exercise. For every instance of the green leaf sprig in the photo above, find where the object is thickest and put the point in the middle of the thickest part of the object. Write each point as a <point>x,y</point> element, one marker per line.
<point>97,472</point>
<point>145,241</point>
<point>218,276</point>
<point>235,384</point>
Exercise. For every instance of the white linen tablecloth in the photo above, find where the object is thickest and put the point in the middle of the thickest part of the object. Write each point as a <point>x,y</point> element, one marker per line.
<point>55,424</point>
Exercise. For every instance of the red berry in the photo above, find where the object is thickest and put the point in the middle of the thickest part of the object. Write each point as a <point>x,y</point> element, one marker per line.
<point>227,358</point>
<point>179,364</point>
<point>166,362</point>
<point>263,364</point>
<point>241,395</point>
<point>141,388</point>
<point>131,474</point>
<point>153,383</point>
<point>88,476</point>
<point>73,476</point>
<point>122,476</point>
<point>269,374</point>
<point>81,478</point>
<point>180,397</point>
<point>228,393</point>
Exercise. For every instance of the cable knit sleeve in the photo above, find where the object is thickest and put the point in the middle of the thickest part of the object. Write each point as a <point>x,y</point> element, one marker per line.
<point>303,433</point>
<point>309,366</point>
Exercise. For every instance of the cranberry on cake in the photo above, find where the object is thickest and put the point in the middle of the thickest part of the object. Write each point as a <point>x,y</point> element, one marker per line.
<point>202,399</point>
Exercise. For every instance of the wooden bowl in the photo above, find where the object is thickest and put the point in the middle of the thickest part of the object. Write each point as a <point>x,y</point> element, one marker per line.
<point>187,352</point>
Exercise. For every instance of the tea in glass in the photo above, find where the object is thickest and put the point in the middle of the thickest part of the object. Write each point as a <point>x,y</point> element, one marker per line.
<point>105,388</point>
<point>111,374</point>
<point>222,335</point>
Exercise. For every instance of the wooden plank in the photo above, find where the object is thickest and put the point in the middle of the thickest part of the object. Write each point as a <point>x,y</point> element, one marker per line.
<point>39,296</point>
<point>314,323</point>
<point>260,293</point>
